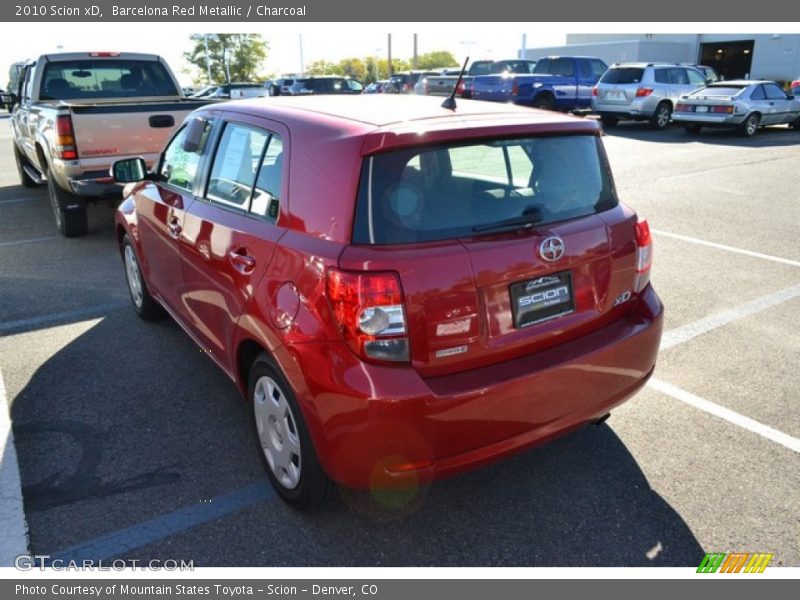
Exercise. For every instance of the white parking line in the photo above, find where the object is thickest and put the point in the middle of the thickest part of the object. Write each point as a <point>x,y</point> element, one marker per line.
<point>682,334</point>
<point>727,414</point>
<point>14,536</point>
<point>686,238</point>
<point>29,241</point>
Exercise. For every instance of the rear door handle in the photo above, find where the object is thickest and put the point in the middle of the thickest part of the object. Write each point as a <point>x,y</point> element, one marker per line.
<point>241,261</point>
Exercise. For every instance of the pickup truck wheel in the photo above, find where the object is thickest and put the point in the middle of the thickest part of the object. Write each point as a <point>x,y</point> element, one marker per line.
<point>543,102</point>
<point>69,211</point>
<point>143,303</point>
<point>750,125</point>
<point>284,443</point>
<point>662,116</point>
<point>22,162</point>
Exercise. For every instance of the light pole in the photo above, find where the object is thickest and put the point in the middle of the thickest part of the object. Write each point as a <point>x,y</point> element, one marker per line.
<point>468,44</point>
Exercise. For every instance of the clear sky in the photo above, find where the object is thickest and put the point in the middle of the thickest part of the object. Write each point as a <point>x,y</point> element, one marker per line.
<point>329,41</point>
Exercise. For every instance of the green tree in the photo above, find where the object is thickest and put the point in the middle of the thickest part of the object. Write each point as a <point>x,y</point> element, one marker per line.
<point>437,59</point>
<point>353,67</point>
<point>322,67</point>
<point>246,52</point>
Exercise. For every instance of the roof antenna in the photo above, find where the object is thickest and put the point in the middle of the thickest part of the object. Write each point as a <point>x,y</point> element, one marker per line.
<point>450,102</point>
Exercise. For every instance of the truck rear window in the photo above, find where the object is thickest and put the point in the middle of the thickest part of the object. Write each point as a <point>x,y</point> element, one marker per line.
<point>105,78</point>
<point>623,75</point>
<point>431,193</point>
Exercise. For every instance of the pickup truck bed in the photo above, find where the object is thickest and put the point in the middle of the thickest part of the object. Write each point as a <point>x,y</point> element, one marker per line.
<point>82,112</point>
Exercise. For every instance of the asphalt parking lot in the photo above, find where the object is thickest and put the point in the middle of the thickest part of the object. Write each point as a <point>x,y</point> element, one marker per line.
<point>131,443</point>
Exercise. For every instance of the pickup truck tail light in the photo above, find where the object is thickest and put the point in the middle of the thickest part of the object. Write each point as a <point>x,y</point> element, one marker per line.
<point>643,92</point>
<point>65,138</point>
<point>369,310</point>
<point>594,91</point>
<point>461,88</point>
<point>644,254</point>
<point>515,88</point>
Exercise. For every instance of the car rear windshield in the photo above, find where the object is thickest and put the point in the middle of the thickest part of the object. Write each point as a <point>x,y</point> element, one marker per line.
<point>712,90</point>
<point>423,194</point>
<point>623,75</point>
<point>105,78</point>
<point>322,85</point>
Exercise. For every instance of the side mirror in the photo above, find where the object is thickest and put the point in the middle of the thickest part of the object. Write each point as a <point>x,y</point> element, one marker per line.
<point>129,170</point>
<point>194,135</point>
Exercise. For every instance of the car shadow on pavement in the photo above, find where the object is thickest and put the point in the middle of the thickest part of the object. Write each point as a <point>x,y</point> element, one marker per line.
<point>129,421</point>
<point>768,137</point>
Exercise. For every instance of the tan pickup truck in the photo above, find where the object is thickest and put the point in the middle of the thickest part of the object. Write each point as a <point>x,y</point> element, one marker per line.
<point>76,113</point>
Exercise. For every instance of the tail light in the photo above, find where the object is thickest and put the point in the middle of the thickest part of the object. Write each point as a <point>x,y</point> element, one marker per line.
<point>644,254</point>
<point>460,88</point>
<point>370,312</point>
<point>728,110</point>
<point>104,54</point>
<point>426,86</point>
<point>594,91</point>
<point>65,138</point>
<point>515,88</point>
<point>680,107</point>
<point>407,87</point>
<point>643,92</point>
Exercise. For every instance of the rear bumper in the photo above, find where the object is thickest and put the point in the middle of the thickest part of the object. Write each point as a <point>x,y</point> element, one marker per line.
<point>379,426</point>
<point>640,108</point>
<point>709,120</point>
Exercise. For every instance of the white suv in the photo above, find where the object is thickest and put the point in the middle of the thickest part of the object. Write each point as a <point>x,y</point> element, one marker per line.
<point>643,91</point>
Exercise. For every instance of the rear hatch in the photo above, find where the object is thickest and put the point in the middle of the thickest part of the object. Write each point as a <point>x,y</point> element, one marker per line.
<point>480,285</point>
<point>619,85</point>
<point>712,101</point>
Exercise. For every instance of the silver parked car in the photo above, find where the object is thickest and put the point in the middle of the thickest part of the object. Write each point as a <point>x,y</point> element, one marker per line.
<point>643,91</point>
<point>740,104</point>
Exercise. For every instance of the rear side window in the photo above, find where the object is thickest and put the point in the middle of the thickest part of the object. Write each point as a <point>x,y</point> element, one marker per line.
<point>267,189</point>
<point>105,78</point>
<point>758,93</point>
<point>695,77</point>
<point>444,192</point>
<point>556,66</point>
<point>623,75</point>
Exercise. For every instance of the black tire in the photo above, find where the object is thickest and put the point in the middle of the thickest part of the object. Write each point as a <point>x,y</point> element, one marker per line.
<point>69,211</point>
<point>543,102</point>
<point>661,116</point>
<point>693,128</point>
<point>313,488</point>
<point>609,121</point>
<point>143,303</point>
<point>796,124</point>
<point>23,162</point>
<point>750,125</point>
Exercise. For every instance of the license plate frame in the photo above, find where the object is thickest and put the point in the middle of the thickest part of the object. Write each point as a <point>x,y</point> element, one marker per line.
<point>541,299</point>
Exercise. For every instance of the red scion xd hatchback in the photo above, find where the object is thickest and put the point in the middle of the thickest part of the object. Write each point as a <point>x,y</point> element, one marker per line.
<point>401,291</point>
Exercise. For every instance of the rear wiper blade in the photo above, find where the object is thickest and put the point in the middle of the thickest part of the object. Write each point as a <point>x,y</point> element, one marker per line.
<point>529,218</point>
